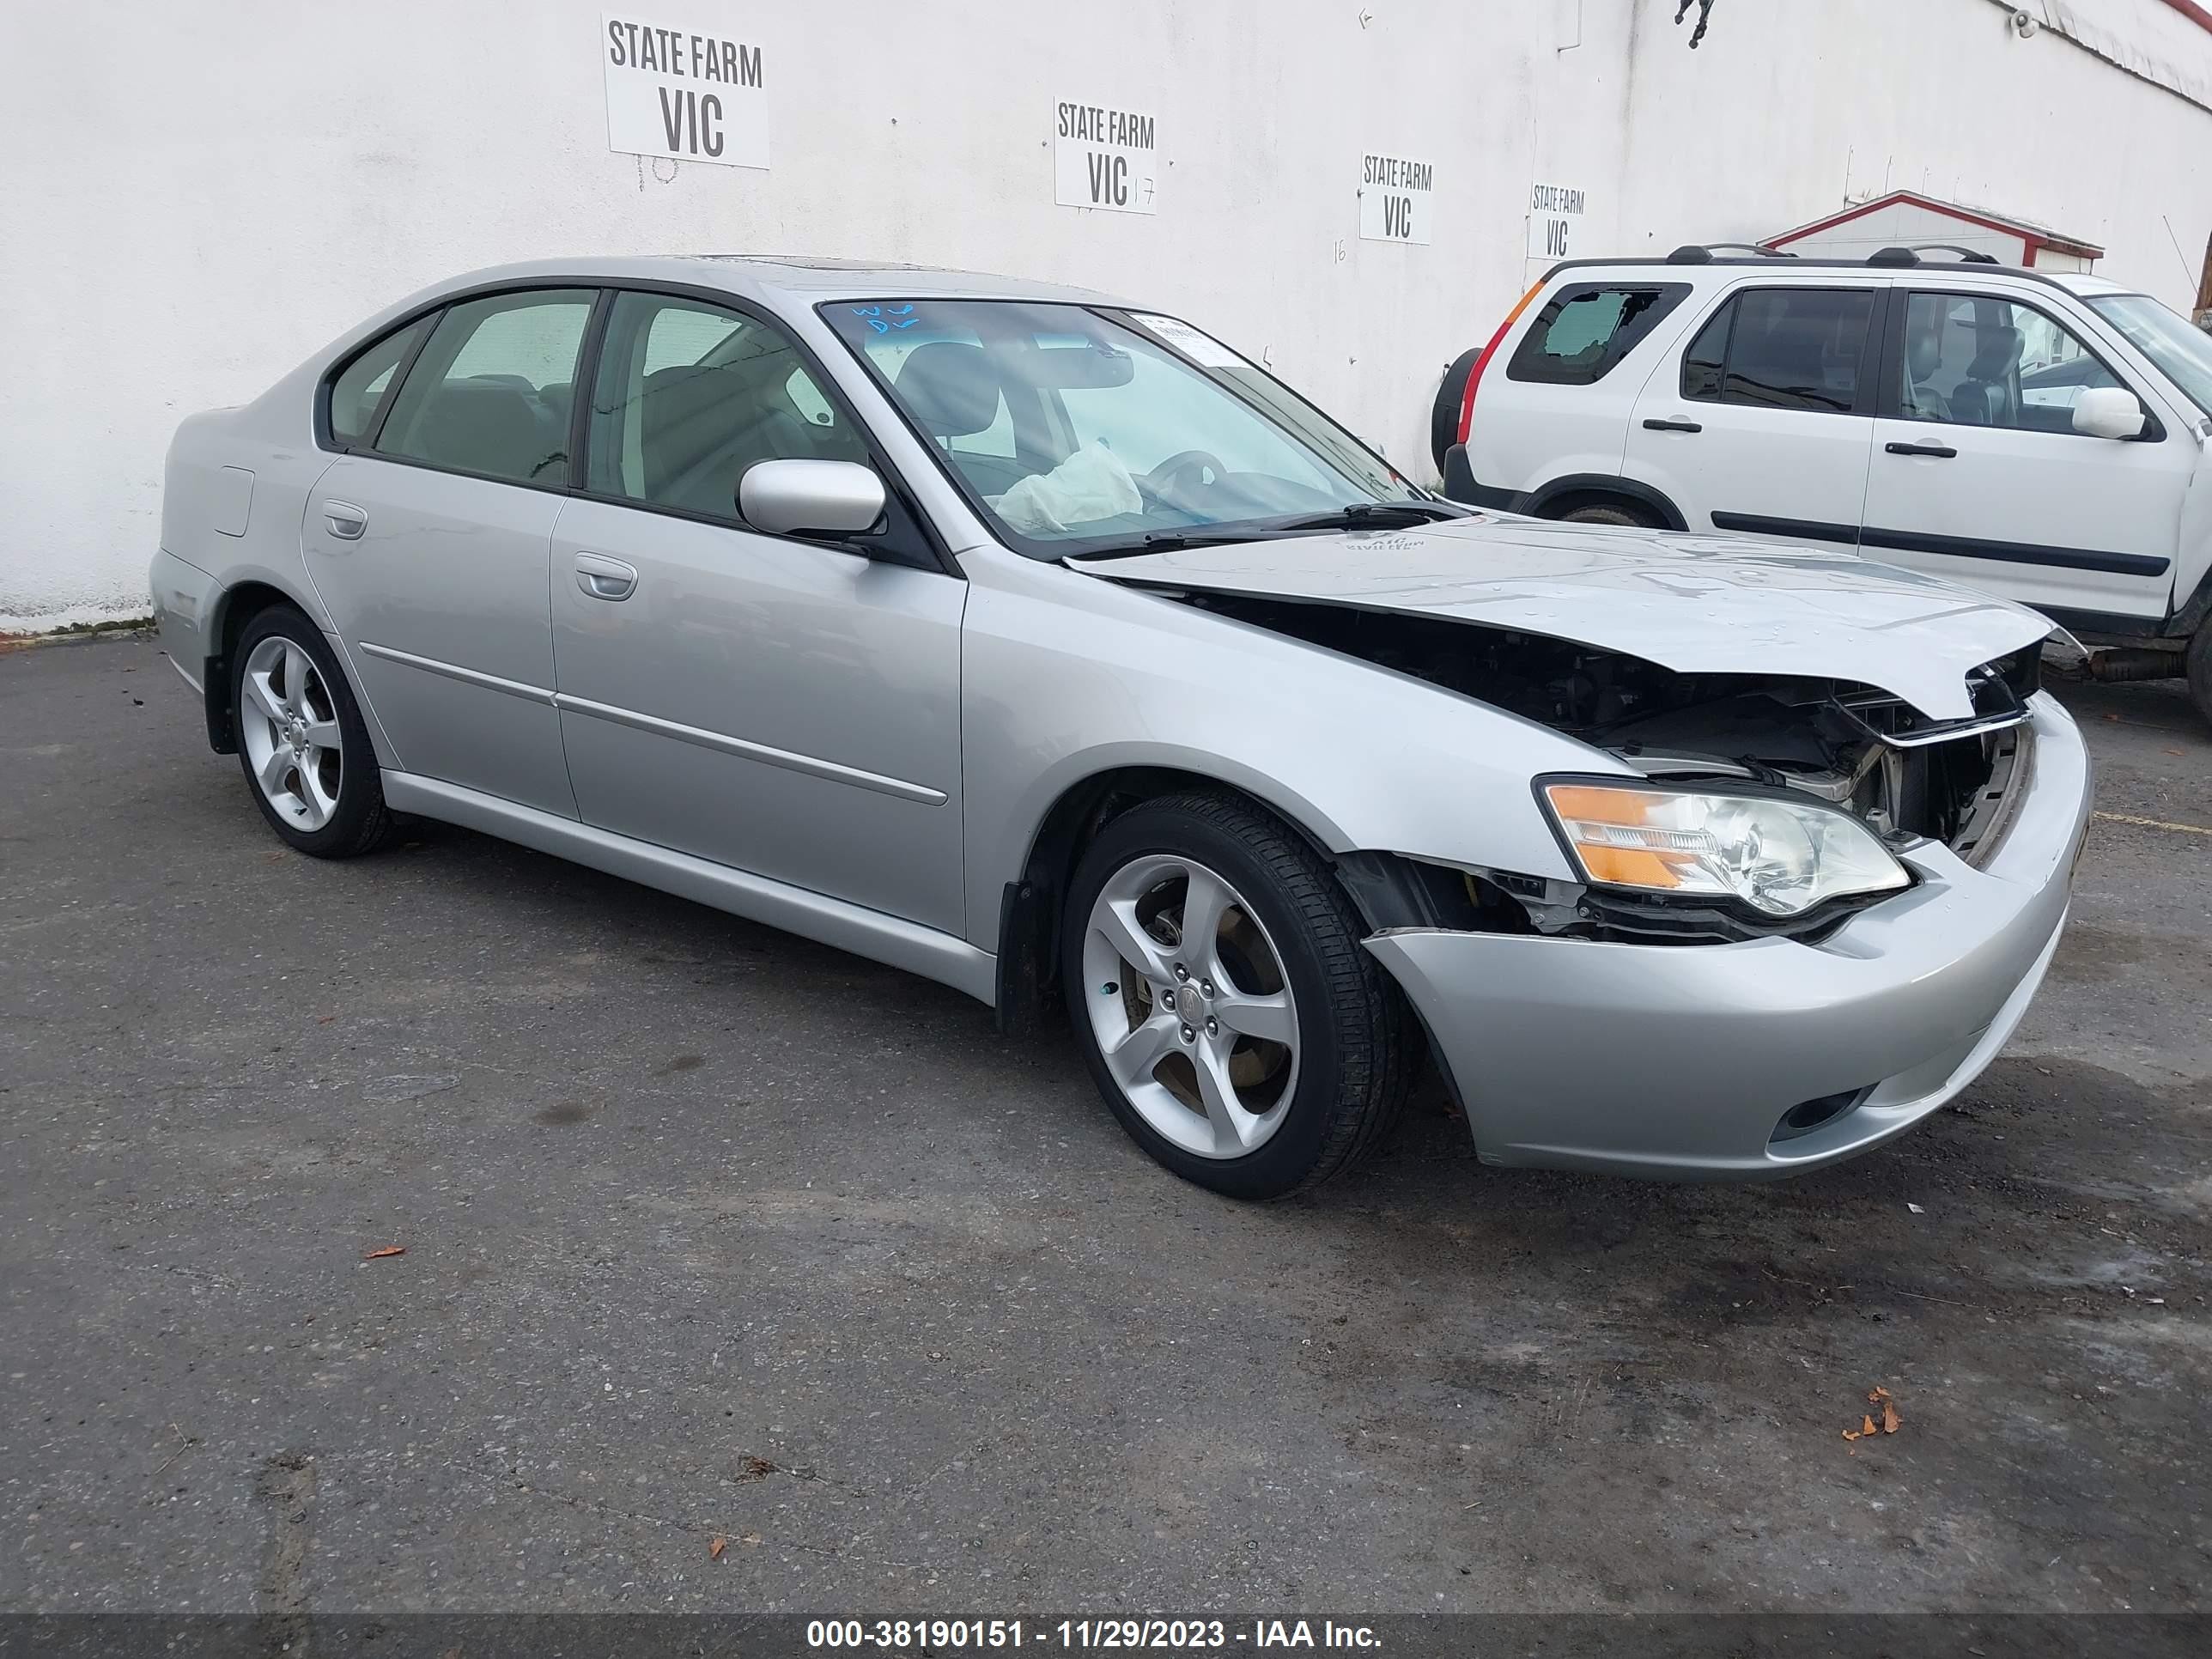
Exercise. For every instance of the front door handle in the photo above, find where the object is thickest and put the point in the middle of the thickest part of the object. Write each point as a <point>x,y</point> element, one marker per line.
<point>602,578</point>
<point>1939,452</point>
<point>1672,426</point>
<point>346,521</point>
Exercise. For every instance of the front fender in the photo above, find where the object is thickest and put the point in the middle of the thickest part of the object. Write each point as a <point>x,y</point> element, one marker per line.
<point>1065,677</point>
<point>2192,566</point>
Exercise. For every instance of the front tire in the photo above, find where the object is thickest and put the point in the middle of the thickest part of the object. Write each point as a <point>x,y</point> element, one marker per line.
<point>1607,515</point>
<point>2198,662</point>
<point>1223,1002</point>
<point>301,740</point>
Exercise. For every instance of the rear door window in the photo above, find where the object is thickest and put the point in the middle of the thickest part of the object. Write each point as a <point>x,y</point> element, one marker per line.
<point>1584,331</point>
<point>492,391</point>
<point>1785,348</point>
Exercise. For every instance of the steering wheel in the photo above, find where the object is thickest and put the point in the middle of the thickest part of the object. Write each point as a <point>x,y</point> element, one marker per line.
<point>1165,480</point>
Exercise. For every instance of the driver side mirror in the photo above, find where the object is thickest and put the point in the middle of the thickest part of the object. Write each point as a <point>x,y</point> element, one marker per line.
<point>2109,411</point>
<point>810,498</point>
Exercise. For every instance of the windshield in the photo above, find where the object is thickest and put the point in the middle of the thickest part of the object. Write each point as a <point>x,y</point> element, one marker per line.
<point>1083,430</point>
<point>2184,354</point>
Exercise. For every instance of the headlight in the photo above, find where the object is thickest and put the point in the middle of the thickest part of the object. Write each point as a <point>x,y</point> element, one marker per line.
<point>1777,856</point>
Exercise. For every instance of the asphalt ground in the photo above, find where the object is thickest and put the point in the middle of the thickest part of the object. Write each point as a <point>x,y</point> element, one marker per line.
<point>713,1234</point>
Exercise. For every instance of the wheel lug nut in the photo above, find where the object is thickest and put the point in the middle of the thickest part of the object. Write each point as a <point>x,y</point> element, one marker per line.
<point>1205,987</point>
<point>1167,998</point>
<point>1213,1027</point>
<point>1188,1034</point>
<point>1182,972</point>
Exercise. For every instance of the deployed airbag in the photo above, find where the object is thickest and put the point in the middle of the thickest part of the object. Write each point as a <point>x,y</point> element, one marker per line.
<point>1088,485</point>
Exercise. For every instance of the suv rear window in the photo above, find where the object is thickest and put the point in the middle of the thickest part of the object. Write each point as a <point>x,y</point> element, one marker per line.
<point>1584,330</point>
<point>1783,348</point>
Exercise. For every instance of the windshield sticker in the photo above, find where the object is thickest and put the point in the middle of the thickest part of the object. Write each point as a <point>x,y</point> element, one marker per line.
<point>1199,348</point>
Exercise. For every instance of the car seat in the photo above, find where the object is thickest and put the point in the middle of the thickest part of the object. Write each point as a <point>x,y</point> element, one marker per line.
<point>1924,361</point>
<point>484,425</point>
<point>1986,396</point>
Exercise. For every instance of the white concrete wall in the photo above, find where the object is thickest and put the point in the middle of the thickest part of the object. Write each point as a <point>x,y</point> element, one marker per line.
<point>197,195</point>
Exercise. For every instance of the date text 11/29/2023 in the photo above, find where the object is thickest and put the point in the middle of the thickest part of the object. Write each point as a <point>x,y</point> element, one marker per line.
<point>936,1635</point>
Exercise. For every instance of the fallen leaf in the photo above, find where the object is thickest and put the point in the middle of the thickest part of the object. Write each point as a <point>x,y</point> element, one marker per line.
<point>715,1550</point>
<point>1890,1420</point>
<point>750,1539</point>
<point>1867,1427</point>
<point>1915,1208</point>
<point>1852,1434</point>
<point>1876,1394</point>
<point>325,1019</point>
<point>389,1249</point>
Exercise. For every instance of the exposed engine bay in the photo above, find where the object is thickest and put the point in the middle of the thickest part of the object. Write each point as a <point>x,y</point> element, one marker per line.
<point>1853,746</point>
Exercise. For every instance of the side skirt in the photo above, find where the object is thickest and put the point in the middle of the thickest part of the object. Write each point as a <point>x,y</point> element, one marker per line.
<point>865,932</point>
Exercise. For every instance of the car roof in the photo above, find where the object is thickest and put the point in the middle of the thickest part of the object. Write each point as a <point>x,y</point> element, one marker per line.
<point>799,280</point>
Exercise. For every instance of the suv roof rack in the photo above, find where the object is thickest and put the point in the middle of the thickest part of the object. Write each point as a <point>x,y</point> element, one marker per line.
<point>1911,256</point>
<point>1701,253</point>
<point>1767,258</point>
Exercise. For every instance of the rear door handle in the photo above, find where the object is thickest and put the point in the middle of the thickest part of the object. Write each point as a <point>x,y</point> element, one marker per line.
<point>347,521</point>
<point>1940,452</point>
<point>1672,426</point>
<point>602,578</point>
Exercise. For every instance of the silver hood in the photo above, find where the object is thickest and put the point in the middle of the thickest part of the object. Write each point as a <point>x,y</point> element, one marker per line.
<point>1698,605</point>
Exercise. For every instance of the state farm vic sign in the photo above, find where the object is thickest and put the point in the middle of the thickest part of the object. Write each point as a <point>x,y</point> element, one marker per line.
<point>1105,158</point>
<point>684,92</point>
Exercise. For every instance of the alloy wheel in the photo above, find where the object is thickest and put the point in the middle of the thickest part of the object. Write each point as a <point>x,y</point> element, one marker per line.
<point>1190,1007</point>
<point>289,726</point>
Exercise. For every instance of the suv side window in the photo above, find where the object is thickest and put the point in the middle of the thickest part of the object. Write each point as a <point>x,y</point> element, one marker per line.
<point>1784,348</point>
<point>1976,360</point>
<point>689,395</point>
<point>1584,332</point>
<point>358,395</point>
<point>492,392</point>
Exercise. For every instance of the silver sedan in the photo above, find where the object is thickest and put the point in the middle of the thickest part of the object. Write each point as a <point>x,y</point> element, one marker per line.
<point>1046,647</point>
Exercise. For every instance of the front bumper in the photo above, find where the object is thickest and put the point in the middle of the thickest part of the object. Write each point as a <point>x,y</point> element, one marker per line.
<point>1683,1060</point>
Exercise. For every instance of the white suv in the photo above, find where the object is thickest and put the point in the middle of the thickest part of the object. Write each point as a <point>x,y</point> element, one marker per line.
<point>2044,437</point>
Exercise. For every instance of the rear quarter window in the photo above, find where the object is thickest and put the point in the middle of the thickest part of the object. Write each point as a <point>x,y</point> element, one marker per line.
<point>360,391</point>
<point>1585,331</point>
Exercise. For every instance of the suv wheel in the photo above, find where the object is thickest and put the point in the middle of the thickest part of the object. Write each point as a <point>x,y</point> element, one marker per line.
<point>1223,1000</point>
<point>1443,413</point>
<point>1608,513</point>
<point>301,740</point>
<point>2199,664</point>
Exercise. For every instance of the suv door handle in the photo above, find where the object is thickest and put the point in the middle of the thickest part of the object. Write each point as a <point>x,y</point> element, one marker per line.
<point>1940,452</point>
<point>602,578</point>
<point>1672,426</point>
<point>347,521</point>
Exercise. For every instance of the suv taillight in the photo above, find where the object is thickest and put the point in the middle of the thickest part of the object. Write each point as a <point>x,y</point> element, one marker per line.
<point>1474,374</point>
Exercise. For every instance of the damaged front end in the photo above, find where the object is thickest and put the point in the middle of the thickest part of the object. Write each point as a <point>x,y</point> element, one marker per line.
<point>1850,746</point>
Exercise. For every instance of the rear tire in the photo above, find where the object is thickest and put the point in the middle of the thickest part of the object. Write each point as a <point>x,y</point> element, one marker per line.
<point>1607,513</point>
<point>2199,664</point>
<point>1201,1084</point>
<point>1443,413</point>
<point>301,741</point>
